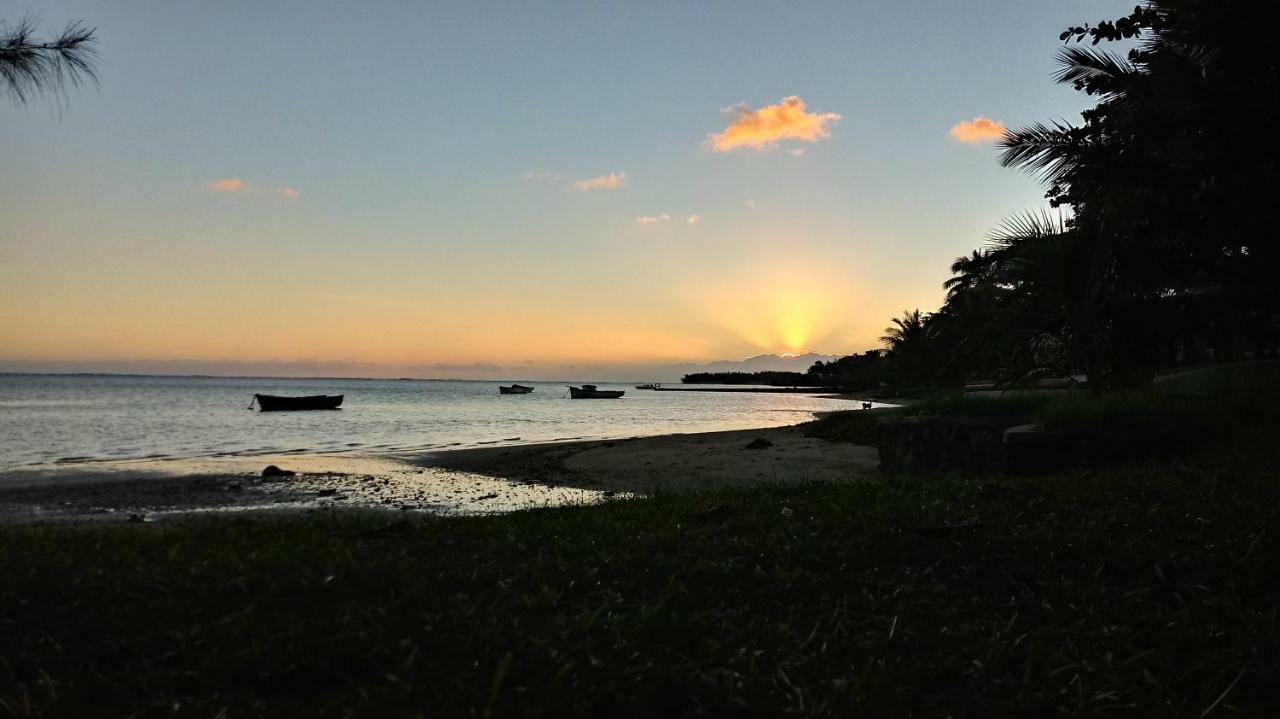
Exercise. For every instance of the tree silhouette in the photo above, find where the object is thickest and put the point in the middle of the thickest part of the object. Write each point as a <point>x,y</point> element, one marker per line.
<point>1167,249</point>
<point>1166,177</point>
<point>905,330</point>
<point>30,66</point>
<point>910,348</point>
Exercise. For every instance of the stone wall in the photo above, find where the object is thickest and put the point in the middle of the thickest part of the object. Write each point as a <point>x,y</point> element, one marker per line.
<point>924,445</point>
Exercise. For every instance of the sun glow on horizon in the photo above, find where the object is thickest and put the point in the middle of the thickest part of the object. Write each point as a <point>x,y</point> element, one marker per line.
<point>782,311</point>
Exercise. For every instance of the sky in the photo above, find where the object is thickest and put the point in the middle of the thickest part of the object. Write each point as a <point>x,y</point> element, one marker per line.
<point>511,190</point>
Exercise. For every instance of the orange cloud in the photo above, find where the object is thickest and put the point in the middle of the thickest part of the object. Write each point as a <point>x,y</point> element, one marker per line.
<point>611,181</point>
<point>978,130</point>
<point>230,184</point>
<point>763,128</point>
<point>694,219</point>
<point>288,192</point>
<point>652,219</point>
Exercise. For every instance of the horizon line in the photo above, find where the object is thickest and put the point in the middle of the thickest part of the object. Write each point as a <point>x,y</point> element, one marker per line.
<point>6,373</point>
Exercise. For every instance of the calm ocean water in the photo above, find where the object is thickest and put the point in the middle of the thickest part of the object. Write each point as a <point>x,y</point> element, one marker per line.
<point>46,420</point>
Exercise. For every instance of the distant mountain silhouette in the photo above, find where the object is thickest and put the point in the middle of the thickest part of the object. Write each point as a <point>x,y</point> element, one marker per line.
<point>759,363</point>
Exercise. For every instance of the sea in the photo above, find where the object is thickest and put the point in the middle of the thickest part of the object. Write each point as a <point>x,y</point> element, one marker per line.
<point>48,421</point>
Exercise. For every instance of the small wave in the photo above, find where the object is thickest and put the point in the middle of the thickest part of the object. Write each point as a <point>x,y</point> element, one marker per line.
<point>69,403</point>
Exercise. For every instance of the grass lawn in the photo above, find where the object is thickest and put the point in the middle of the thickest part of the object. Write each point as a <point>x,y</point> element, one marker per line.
<point>1143,590</point>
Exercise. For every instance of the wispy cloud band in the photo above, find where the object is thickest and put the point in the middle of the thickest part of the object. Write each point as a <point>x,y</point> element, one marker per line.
<point>611,181</point>
<point>235,184</point>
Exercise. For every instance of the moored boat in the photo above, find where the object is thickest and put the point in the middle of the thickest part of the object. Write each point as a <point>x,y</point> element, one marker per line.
<point>273,403</point>
<point>514,389</point>
<point>589,391</point>
<point>648,385</point>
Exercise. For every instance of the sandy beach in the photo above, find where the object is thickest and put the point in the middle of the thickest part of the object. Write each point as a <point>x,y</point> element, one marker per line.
<point>467,481</point>
<point>671,462</point>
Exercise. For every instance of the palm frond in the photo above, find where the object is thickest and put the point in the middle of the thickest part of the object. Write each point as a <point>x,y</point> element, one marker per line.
<point>967,272</point>
<point>1051,152</point>
<point>1085,65</point>
<point>29,66</point>
<point>910,325</point>
<point>967,263</point>
<point>1023,227</point>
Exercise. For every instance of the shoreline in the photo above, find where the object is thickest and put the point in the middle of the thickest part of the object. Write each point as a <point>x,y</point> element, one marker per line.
<point>476,480</point>
<point>74,461</point>
<point>696,460</point>
<point>758,390</point>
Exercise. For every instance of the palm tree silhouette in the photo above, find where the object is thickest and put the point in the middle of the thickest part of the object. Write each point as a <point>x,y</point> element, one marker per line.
<point>967,272</point>
<point>1056,151</point>
<point>905,331</point>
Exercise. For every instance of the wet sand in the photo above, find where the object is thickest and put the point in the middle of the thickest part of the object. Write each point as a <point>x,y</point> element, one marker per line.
<point>154,490</point>
<point>467,481</point>
<point>671,462</point>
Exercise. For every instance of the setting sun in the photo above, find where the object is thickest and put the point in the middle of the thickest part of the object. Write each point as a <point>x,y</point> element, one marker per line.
<point>790,308</point>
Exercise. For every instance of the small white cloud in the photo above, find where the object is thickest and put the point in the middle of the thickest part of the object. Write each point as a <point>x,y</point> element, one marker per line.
<point>611,181</point>
<point>797,151</point>
<point>694,219</point>
<point>652,219</point>
<point>288,192</point>
<point>542,176</point>
<point>751,204</point>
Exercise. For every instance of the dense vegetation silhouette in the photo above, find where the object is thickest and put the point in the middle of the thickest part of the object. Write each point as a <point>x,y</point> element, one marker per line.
<point>769,377</point>
<point>1156,248</point>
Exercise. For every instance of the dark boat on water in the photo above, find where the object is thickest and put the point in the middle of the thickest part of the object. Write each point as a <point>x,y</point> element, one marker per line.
<point>514,389</point>
<point>589,391</point>
<point>272,403</point>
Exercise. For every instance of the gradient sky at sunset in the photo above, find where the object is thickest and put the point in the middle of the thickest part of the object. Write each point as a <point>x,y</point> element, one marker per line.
<point>435,190</point>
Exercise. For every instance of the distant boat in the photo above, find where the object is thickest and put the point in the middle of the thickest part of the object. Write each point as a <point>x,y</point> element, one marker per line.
<point>650,385</point>
<point>514,389</point>
<point>589,391</point>
<point>272,403</point>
